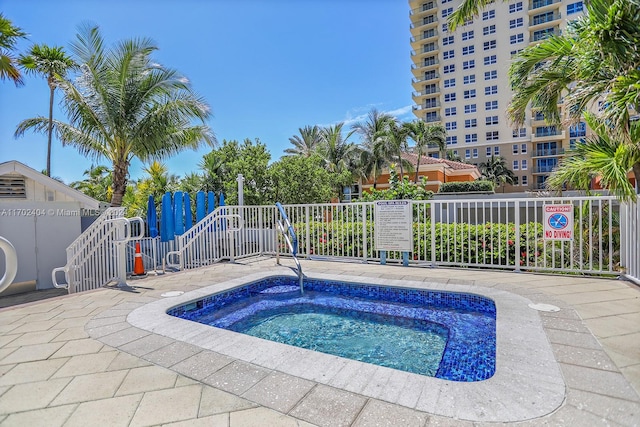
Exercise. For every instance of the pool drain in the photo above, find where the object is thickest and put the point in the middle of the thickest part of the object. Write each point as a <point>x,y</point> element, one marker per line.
<point>544,307</point>
<point>172,294</point>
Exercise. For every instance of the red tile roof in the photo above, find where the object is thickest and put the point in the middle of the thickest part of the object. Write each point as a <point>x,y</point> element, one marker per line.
<point>425,160</point>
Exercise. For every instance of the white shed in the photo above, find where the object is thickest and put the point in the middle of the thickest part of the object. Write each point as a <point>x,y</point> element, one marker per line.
<point>40,217</point>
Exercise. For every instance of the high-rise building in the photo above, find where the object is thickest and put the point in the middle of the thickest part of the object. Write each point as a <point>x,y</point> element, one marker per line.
<point>461,80</point>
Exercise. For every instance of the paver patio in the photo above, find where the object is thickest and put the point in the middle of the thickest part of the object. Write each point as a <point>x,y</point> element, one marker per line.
<point>74,360</point>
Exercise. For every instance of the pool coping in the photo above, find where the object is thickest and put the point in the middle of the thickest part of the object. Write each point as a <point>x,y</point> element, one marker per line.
<point>527,384</point>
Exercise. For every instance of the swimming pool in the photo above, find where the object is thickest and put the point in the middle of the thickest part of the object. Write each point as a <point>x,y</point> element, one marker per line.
<point>448,335</point>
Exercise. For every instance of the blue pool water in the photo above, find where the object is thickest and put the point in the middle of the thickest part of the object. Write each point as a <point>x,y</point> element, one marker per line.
<point>443,334</point>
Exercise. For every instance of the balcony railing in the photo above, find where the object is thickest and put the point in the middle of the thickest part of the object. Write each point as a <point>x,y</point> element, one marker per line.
<point>425,7</point>
<point>544,18</point>
<point>543,168</point>
<point>548,152</point>
<point>537,4</point>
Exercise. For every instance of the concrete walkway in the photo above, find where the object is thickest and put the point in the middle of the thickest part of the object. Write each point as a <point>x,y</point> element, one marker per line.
<point>74,360</point>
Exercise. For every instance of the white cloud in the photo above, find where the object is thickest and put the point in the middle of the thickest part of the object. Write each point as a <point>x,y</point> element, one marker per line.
<point>359,114</point>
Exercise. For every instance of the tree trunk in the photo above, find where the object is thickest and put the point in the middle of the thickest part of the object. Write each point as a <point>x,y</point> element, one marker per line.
<point>50,126</point>
<point>417,167</point>
<point>120,169</point>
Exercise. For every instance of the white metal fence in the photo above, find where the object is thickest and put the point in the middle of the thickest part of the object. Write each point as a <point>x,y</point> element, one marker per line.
<point>498,233</point>
<point>494,234</point>
<point>91,258</point>
<point>630,241</point>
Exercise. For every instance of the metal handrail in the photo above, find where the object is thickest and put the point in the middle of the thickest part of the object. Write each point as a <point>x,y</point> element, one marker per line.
<point>291,242</point>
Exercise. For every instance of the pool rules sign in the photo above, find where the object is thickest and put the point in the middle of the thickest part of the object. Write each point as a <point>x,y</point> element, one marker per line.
<point>393,225</point>
<point>558,222</point>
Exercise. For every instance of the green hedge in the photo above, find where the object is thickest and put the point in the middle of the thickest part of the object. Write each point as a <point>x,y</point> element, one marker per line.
<point>466,187</point>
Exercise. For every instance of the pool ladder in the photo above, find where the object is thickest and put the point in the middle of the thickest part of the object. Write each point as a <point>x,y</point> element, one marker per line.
<point>292,241</point>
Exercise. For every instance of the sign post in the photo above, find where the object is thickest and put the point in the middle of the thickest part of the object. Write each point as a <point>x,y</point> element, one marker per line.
<point>558,222</point>
<point>393,228</point>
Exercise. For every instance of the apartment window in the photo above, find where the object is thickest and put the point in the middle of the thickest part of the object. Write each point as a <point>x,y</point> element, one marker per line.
<point>491,44</point>
<point>447,40</point>
<point>468,50</point>
<point>468,94</point>
<point>449,97</point>
<point>448,54</point>
<point>523,164</point>
<point>516,7</point>
<point>516,23</point>
<point>523,148</point>
<point>445,28</point>
<point>429,89</point>
<point>431,102</point>
<point>467,154</point>
<point>516,38</point>
<point>515,181</point>
<point>525,180</point>
<point>491,105</point>
<point>492,136</point>
<point>543,34</point>
<point>491,75</point>
<point>488,153</point>
<point>467,35</point>
<point>470,79</point>
<point>452,140</point>
<point>475,153</point>
<point>496,150</point>
<point>470,108</point>
<point>466,65</point>
<point>431,116</point>
<point>451,68</point>
<point>428,47</point>
<point>515,52</point>
<point>575,7</point>
<point>428,19</point>
<point>491,90</point>
<point>491,59</point>
<point>445,1</point>
<point>450,111</point>
<point>455,152</point>
<point>446,12</point>
<point>543,17</point>
<point>578,130</point>
<point>431,60</point>
<point>470,138</point>
<point>491,120</point>
<point>489,14</point>
<point>450,82</point>
<point>428,33</point>
<point>516,165</point>
<point>451,125</point>
<point>515,149</point>
<point>490,29</point>
<point>520,133</point>
<point>430,75</point>
<point>471,123</point>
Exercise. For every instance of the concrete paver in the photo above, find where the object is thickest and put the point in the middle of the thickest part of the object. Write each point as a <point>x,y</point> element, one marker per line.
<point>75,361</point>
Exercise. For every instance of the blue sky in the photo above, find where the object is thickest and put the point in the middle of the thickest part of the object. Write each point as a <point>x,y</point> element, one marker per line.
<point>266,67</point>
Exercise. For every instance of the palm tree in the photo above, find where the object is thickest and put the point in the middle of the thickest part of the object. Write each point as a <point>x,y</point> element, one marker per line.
<point>338,154</point>
<point>593,66</point>
<point>9,35</point>
<point>53,63</point>
<point>98,183</point>
<point>125,105</point>
<point>371,158</point>
<point>608,156</point>
<point>423,135</point>
<point>306,143</point>
<point>393,142</point>
<point>495,170</point>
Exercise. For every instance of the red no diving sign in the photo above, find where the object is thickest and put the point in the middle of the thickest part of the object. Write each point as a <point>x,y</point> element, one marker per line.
<point>558,222</point>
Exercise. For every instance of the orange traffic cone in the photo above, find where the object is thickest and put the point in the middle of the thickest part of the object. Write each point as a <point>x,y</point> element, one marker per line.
<point>138,266</point>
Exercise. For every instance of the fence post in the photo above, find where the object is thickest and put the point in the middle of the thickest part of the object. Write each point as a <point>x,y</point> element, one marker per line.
<point>308,233</point>
<point>433,234</point>
<point>364,232</point>
<point>516,208</point>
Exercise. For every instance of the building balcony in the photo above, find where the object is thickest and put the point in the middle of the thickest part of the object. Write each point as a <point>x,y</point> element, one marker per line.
<point>548,152</point>
<point>548,136</point>
<point>422,9</point>
<point>419,93</point>
<point>539,6</point>
<point>546,20</point>
<point>535,38</point>
<point>543,170</point>
<point>431,118</point>
<point>423,24</point>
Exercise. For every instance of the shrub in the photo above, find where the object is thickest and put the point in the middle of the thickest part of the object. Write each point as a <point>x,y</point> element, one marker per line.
<point>466,187</point>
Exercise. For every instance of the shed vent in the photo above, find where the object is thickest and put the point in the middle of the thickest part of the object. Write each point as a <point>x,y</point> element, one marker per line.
<point>12,187</point>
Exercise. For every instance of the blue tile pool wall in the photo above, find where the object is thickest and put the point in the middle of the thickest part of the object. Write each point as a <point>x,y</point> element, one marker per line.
<point>470,319</point>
